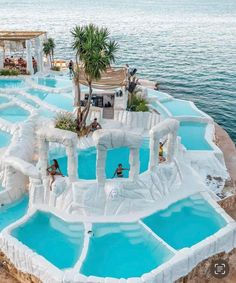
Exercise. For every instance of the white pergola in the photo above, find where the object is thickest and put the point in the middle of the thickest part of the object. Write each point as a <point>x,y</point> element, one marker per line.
<point>15,40</point>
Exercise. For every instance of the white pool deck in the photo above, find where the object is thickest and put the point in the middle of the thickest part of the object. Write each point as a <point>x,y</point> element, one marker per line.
<point>101,200</point>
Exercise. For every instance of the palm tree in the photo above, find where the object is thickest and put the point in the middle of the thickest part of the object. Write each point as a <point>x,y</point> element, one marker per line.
<point>94,54</point>
<point>48,49</point>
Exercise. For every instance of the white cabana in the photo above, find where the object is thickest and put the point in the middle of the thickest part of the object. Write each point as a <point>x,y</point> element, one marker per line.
<point>14,41</point>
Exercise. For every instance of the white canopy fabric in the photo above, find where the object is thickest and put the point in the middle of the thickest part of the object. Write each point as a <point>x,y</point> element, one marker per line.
<point>112,79</point>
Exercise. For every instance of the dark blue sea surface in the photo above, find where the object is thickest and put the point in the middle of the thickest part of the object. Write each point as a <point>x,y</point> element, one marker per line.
<point>188,46</point>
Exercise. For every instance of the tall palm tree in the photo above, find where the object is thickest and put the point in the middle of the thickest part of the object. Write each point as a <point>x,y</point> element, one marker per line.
<point>94,54</point>
<point>48,49</point>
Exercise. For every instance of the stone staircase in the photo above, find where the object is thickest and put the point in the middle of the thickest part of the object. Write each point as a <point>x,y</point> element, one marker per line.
<point>108,113</point>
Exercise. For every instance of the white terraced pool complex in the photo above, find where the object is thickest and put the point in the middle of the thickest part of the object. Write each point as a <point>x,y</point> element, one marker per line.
<point>154,225</point>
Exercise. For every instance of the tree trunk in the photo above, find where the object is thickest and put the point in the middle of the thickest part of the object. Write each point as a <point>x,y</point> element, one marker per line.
<point>52,58</point>
<point>78,103</point>
<point>87,108</point>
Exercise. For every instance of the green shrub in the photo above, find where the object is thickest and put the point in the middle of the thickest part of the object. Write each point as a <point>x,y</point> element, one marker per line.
<point>9,72</point>
<point>142,107</point>
<point>56,68</point>
<point>65,121</point>
<point>138,104</point>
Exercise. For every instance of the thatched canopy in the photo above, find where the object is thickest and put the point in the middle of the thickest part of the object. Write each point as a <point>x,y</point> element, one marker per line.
<point>111,79</point>
<point>19,35</point>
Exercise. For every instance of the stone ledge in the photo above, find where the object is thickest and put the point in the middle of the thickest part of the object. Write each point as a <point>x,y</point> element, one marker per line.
<point>201,273</point>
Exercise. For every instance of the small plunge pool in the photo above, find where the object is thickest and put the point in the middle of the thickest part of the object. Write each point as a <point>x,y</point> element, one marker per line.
<point>123,250</point>
<point>87,161</point>
<point>3,99</point>
<point>58,241</point>
<point>5,138</point>
<point>11,83</point>
<point>9,213</point>
<point>186,222</point>
<point>53,82</point>
<point>179,107</point>
<point>14,114</point>
<point>193,136</point>
<point>60,100</point>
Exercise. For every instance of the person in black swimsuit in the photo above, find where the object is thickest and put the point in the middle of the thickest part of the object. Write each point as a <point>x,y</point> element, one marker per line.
<point>71,67</point>
<point>53,170</point>
<point>119,171</point>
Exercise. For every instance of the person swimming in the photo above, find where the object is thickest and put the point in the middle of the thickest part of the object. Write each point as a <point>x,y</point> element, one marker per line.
<point>53,170</point>
<point>119,171</point>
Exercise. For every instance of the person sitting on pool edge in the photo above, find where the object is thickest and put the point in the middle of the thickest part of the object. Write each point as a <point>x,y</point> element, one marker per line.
<point>119,171</point>
<point>53,170</point>
<point>94,126</point>
<point>161,151</point>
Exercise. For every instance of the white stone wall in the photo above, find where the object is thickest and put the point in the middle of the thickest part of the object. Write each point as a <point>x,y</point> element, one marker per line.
<point>136,120</point>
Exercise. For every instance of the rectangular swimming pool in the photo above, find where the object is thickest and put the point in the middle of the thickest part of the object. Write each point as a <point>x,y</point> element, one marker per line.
<point>186,222</point>
<point>56,99</point>
<point>14,83</point>
<point>87,161</point>
<point>14,114</point>
<point>58,241</point>
<point>54,83</point>
<point>179,107</point>
<point>9,213</point>
<point>123,250</point>
<point>193,136</point>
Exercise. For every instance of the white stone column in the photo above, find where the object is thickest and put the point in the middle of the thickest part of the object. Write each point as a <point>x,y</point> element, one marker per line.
<point>2,58</point>
<point>134,162</point>
<point>43,157</point>
<point>72,163</point>
<point>171,146</point>
<point>29,57</point>
<point>154,152</point>
<point>100,165</point>
<point>39,54</point>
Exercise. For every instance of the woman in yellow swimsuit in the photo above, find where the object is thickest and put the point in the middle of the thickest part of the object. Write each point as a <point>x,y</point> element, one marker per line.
<point>161,151</point>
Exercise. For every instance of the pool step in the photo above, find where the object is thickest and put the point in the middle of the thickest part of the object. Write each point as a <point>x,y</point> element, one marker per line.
<point>134,232</point>
<point>202,213</point>
<point>73,231</point>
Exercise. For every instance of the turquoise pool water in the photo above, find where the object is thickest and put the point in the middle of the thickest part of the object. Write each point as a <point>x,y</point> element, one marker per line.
<point>5,138</point>
<point>14,83</point>
<point>87,161</point>
<point>193,136</point>
<point>9,213</point>
<point>27,100</point>
<point>46,113</point>
<point>14,114</point>
<point>160,110</point>
<point>181,108</point>
<point>58,241</point>
<point>56,99</point>
<point>186,222</point>
<point>3,100</point>
<point>54,83</point>
<point>158,94</point>
<point>123,251</point>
